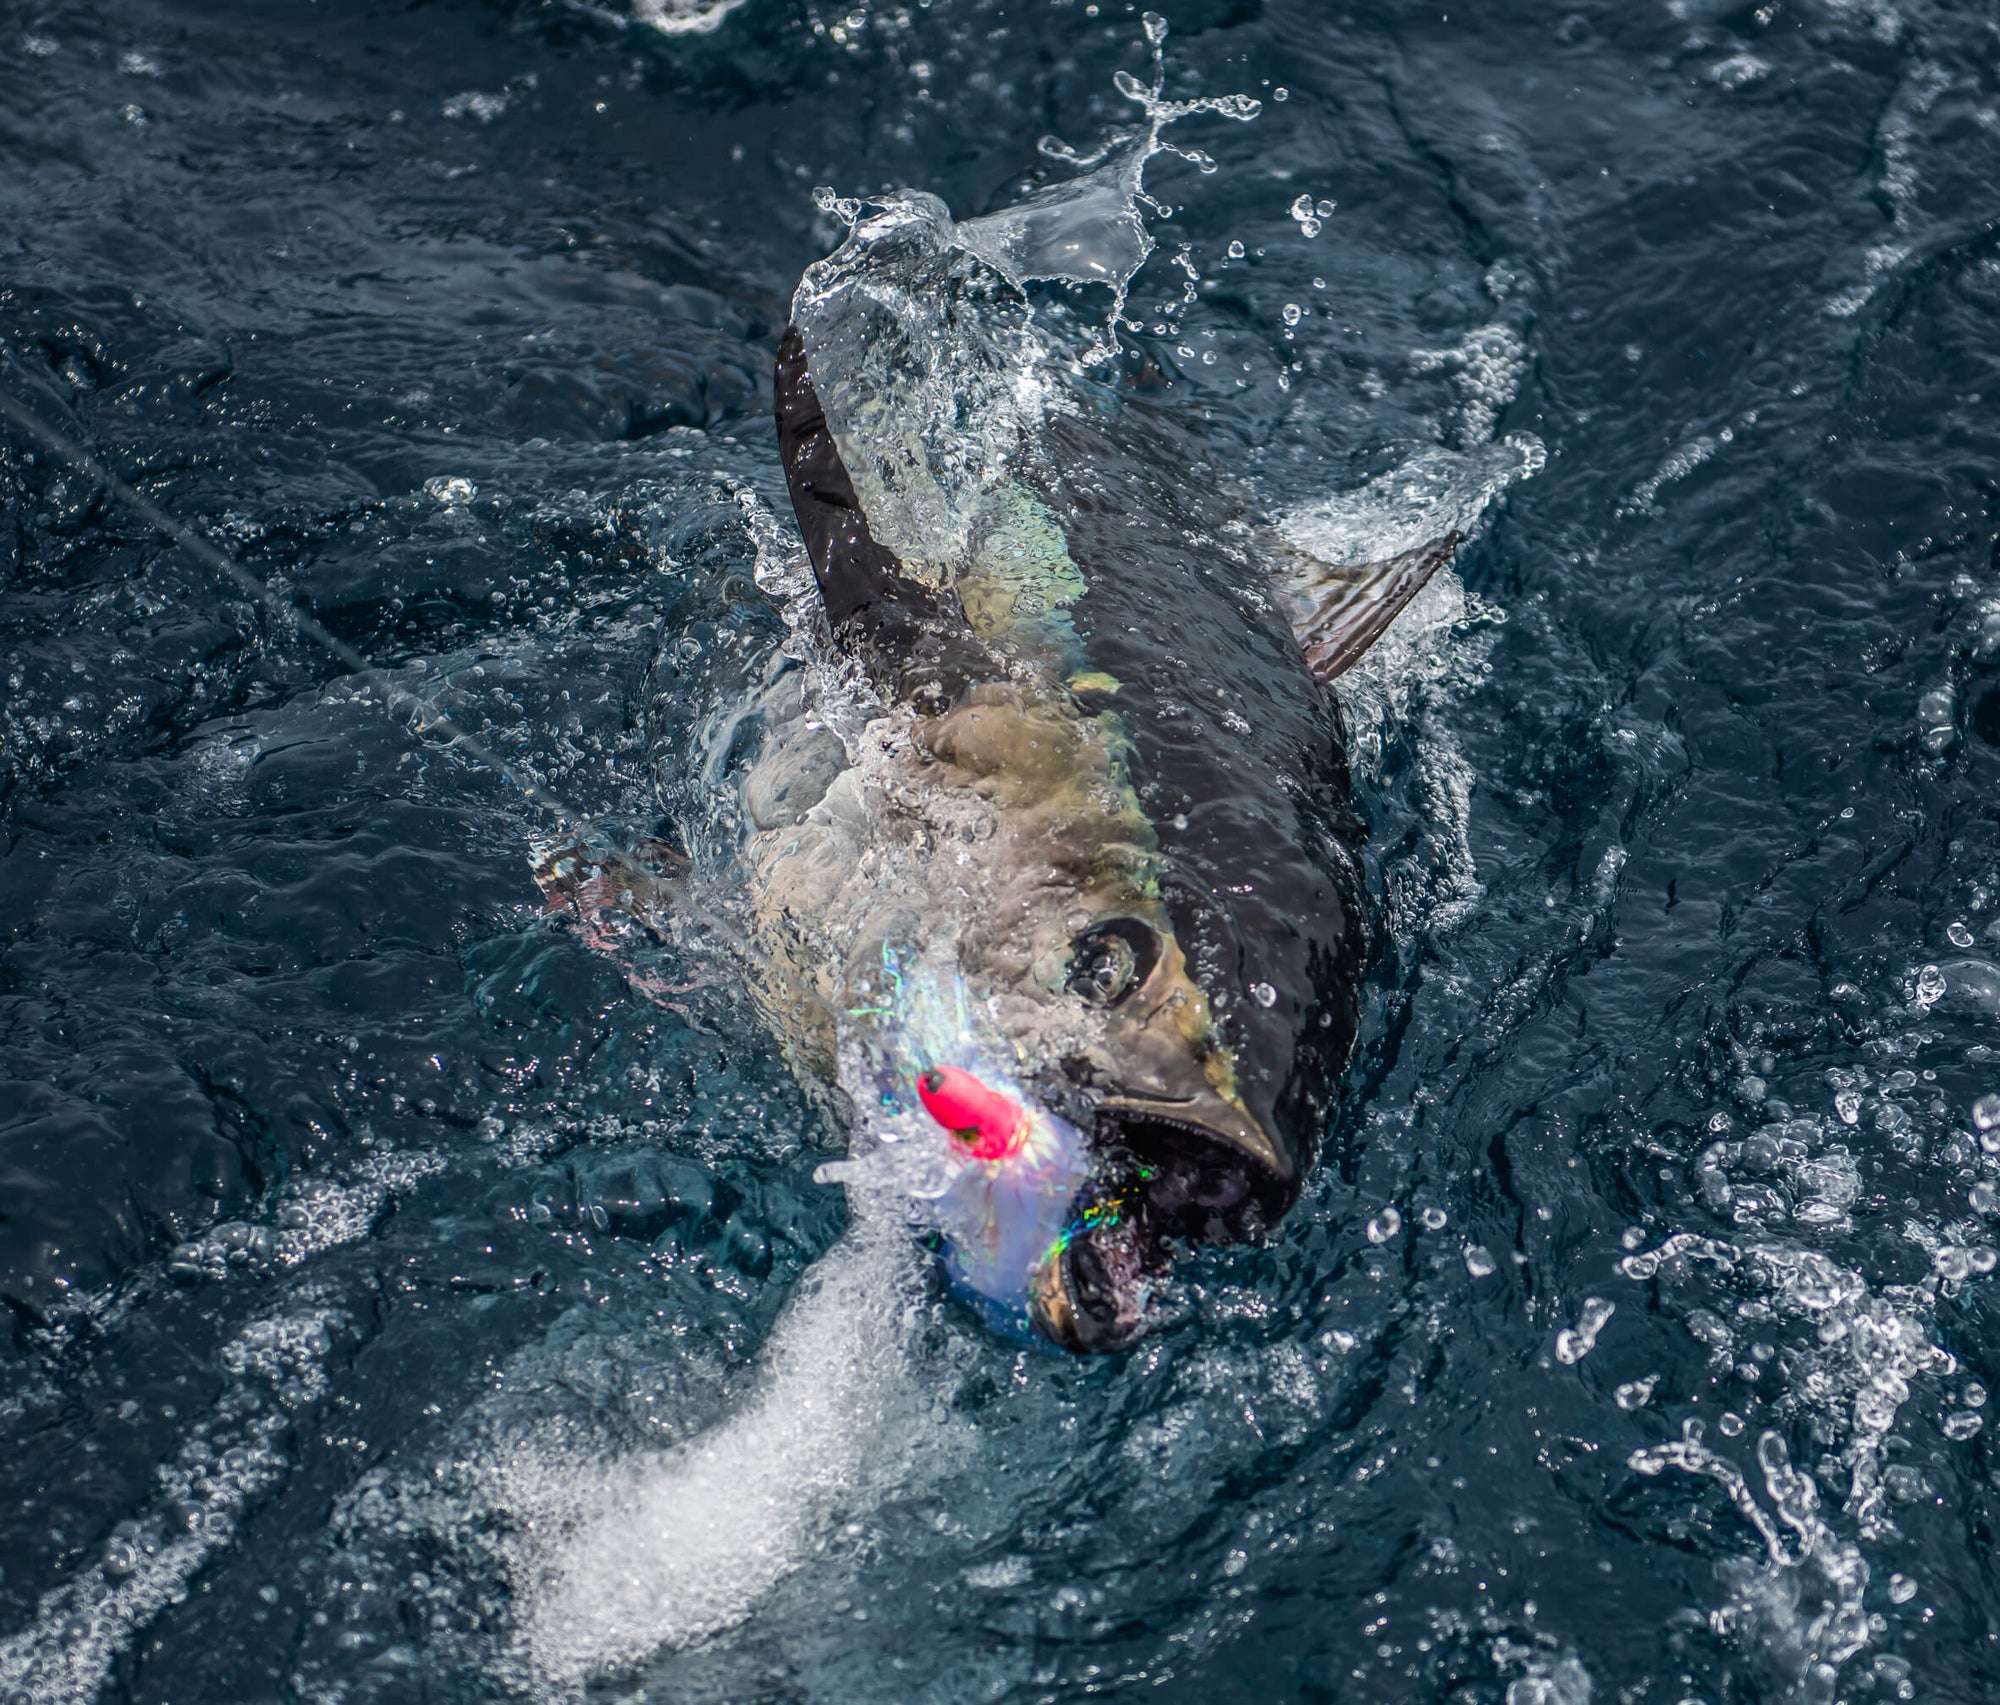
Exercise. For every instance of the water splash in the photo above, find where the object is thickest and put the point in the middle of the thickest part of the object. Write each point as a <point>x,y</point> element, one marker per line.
<point>656,1551</point>
<point>997,1220</point>
<point>1090,230</point>
<point>1435,650</point>
<point>936,315</point>
<point>1771,1601</point>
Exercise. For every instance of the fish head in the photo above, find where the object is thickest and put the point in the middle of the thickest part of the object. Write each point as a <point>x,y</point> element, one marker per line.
<point>1181,1159</point>
<point>1075,956</point>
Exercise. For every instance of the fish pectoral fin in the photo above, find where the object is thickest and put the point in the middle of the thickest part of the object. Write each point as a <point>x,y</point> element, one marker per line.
<point>605,884</point>
<point>1337,613</point>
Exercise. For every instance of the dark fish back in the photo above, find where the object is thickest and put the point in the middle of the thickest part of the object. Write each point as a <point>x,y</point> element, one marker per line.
<point>1238,755</point>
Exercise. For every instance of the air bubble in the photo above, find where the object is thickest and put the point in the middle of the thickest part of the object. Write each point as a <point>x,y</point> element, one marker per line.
<point>1479,1260</point>
<point>1935,720</point>
<point>1384,1226</point>
<point>1576,1342</point>
<point>1263,994</point>
<point>1636,1393</point>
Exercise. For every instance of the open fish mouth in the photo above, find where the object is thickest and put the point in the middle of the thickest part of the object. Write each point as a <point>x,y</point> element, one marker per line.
<point>1174,1174</point>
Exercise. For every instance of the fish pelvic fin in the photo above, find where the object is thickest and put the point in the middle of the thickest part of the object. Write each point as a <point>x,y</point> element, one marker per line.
<point>1338,612</point>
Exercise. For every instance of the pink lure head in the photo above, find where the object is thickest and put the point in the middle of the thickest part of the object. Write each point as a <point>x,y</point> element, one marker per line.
<point>984,1123</point>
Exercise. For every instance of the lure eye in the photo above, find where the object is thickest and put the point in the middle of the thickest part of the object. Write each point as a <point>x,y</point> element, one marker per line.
<point>985,1123</point>
<point>1109,960</point>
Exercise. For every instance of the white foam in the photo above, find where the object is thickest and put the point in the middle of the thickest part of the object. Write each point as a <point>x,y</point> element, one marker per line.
<point>654,1551</point>
<point>1896,137</point>
<point>1486,367</point>
<point>1681,462</point>
<point>312,1216</point>
<point>65,1656</point>
<point>683,17</point>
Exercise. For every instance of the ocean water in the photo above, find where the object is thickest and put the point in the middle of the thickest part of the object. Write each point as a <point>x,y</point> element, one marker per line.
<point>410,1299</point>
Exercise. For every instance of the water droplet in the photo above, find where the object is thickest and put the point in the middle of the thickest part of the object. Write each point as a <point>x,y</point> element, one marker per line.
<point>1574,1343</point>
<point>1636,1393</point>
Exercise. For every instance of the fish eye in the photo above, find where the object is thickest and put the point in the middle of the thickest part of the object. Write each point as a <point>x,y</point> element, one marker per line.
<point>1111,959</point>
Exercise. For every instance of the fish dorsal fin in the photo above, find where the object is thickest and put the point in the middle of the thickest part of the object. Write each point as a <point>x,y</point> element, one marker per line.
<point>1338,612</point>
<point>852,568</point>
<point>913,641</point>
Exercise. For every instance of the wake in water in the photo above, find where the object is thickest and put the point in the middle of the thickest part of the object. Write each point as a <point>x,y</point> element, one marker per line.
<point>619,1557</point>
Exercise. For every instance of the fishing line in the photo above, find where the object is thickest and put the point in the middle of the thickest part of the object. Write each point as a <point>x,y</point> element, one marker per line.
<point>405,705</point>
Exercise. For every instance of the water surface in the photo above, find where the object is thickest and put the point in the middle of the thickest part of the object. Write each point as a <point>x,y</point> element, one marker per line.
<point>408,1304</point>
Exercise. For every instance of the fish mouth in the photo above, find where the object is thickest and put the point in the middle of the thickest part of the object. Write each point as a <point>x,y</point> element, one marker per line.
<point>1176,1173</point>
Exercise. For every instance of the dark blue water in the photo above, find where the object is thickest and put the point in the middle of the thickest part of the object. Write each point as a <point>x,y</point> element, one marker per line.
<point>393,1284</point>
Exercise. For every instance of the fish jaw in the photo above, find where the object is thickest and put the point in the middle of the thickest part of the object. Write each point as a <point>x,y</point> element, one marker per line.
<point>1181,1172</point>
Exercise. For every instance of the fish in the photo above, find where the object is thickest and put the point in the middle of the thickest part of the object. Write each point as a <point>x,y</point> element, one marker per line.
<point>1092,845</point>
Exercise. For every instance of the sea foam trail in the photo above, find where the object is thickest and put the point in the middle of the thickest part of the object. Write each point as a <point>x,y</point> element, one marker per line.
<point>661,1550</point>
